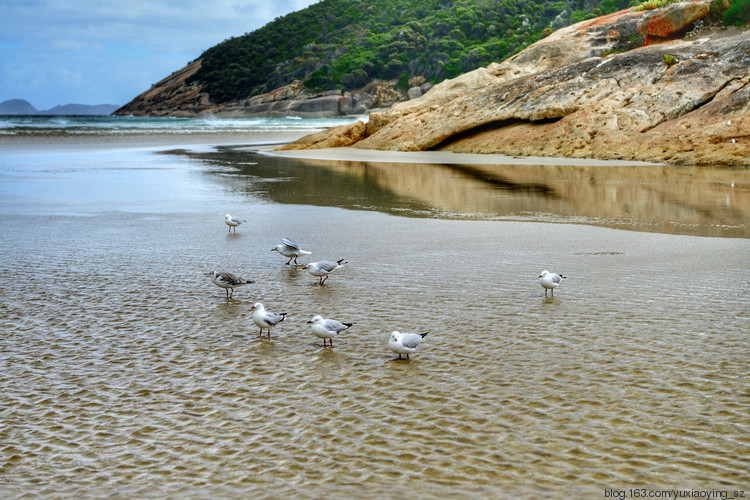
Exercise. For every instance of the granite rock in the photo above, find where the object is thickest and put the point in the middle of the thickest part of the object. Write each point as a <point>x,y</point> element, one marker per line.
<point>593,90</point>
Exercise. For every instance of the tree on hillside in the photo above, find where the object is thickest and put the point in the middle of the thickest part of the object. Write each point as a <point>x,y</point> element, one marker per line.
<point>344,44</point>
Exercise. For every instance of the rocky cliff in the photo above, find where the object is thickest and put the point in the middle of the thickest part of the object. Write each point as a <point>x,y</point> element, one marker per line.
<point>651,85</point>
<point>172,96</point>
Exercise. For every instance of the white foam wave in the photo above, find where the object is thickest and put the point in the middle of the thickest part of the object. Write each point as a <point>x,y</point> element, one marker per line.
<point>125,125</point>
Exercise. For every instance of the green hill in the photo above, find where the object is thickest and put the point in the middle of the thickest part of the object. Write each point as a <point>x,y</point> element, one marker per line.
<point>344,44</point>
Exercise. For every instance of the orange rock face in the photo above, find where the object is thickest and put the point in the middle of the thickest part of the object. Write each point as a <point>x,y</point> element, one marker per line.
<point>593,90</point>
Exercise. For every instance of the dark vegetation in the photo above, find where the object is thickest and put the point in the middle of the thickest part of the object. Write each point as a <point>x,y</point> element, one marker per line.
<point>738,13</point>
<point>345,44</point>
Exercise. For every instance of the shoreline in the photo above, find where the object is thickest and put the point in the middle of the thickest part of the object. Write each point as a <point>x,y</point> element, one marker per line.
<point>440,157</point>
<point>138,140</point>
<point>267,143</point>
<point>613,193</point>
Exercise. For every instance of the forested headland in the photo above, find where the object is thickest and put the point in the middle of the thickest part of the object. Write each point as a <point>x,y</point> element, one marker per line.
<point>344,44</point>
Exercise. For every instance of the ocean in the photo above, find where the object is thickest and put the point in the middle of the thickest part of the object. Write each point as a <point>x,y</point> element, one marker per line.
<point>14,126</point>
<point>126,373</point>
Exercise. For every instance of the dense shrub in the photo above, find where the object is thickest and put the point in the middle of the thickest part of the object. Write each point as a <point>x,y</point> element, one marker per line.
<point>738,14</point>
<point>345,43</point>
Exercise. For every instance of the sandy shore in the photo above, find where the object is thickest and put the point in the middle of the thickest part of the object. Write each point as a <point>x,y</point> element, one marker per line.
<point>267,142</point>
<point>439,157</point>
<point>270,139</point>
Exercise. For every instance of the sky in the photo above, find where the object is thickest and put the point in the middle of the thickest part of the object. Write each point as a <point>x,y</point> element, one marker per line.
<point>109,51</point>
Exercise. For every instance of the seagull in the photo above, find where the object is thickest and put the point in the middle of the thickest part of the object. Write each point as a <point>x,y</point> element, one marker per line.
<point>266,319</point>
<point>227,281</point>
<point>232,222</point>
<point>323,268</point>
<point>404,343</point>
<point>290,249</point>
<point>327,328</point>
<point>549,281</point>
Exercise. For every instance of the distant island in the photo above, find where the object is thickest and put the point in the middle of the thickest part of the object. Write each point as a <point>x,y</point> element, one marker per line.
<point>23,107</point>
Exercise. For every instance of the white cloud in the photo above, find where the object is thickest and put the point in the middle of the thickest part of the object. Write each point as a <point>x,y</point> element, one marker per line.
<point>116,48</point>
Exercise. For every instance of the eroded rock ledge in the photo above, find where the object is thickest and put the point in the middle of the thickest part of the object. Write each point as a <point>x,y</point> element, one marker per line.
<point>173,96</point>
<point>598,89</point>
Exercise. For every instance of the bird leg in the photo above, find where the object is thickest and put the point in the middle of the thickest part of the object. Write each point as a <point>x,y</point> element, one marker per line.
<point>269,334</point>
<point>289,261</point>
<point>324,280</point>
<point>331,342</point>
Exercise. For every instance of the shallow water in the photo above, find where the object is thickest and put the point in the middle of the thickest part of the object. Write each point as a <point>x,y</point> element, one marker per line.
<point>126,373</point>
<point>700,201</point>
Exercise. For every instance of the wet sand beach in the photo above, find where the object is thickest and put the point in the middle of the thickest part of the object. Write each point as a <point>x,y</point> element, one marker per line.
<point>127,373</point>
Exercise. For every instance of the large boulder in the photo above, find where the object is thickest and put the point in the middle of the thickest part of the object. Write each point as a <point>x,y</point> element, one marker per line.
<point>666,22</point>
<point>336,137</point>
<point>593,90</point>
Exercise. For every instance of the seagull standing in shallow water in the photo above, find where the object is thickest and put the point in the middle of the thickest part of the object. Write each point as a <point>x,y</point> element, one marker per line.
<point>550,281</point>
<point>323,268</point>
<point>404,343</point>
<point>327,328</point>
<point>266,319</point>
<point>290,249</point>
<point>228,281</point>
<point>232,222</point>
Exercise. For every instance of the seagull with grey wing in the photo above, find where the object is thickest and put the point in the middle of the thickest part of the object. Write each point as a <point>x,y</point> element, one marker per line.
<point>266,319</point>
<point>327,328</point>
<point>404,343</point>
<point>550,281</point>
<point>233,222</point>
<point>290,249</point>
<point>323,268</point>
<point>228,281</point>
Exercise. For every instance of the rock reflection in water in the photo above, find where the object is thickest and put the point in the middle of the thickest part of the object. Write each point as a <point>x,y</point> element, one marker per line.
<point>657,198</point>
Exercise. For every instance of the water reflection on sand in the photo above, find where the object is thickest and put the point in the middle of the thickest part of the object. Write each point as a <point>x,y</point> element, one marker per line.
<point>699,201</point>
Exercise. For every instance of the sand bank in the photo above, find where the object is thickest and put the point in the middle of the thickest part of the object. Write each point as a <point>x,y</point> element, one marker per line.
<point>270,139</point>
<point>439,157</point>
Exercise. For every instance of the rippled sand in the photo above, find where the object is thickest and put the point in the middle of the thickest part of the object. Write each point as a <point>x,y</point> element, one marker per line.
<point>127,373</point>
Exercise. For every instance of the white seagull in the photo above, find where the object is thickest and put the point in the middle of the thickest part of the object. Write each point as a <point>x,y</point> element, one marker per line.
<point>266,319</point>
<point>228,281</point>
<point>549,281</point>
<point>323,268</point>
<point>290,249</point>
<point>232,222</point>
<point>404,343</point>
<point>327,328</point>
